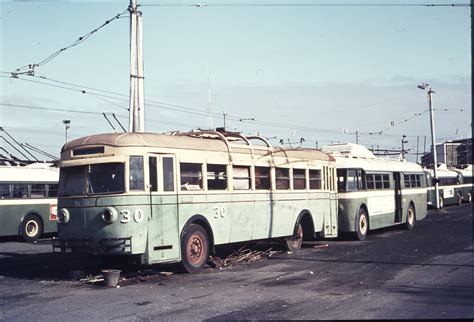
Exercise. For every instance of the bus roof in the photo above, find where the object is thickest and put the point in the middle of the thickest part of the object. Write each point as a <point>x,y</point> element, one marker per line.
<point>29,174</point>
<point>351,155</point>
<point>189,142</point>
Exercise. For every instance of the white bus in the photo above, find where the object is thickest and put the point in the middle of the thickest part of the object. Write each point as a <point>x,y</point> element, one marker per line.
<point>455,185</point>
<point>28,200</point>
<point>173,197</point>
<point>374,192</point>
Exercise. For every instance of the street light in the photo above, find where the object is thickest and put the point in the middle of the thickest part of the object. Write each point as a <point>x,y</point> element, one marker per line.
<point>429,92</point>
<point>403,146</point>
<point>67,127</point>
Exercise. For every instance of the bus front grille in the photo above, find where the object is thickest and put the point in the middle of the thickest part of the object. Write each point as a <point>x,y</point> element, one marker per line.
<point>118,246</point>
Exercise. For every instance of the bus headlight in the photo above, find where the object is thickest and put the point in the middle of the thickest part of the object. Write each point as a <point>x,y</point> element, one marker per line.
<point>63,216</point>
<point>109,215</point>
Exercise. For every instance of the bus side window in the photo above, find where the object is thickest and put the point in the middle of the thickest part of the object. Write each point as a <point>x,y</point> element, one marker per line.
<point>136,173</point>
<point>20,191</point>
<point>52,190</point>
<point>314,179</point>
<point>216,177</point>
<point>191,176</point>
<point>282,178</point>
<point>351,180</point>
<point>370,182</point>
<point>153,173</point>
<point>4,191</point>
<point>168,174</point>
<point>262,178</point>
<point>38,190</point>
<point>299,179</point>
<point>360,180</point>
<point>241,178</point>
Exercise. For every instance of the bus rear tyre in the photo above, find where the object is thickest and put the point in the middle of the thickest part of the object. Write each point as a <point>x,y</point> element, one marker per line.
<point>441,203</point>
<point>31,228</point>
<point>194,248</point>
<point>469,197</point>
<point>411,217</point>
<point>294,242</point>
<point>362,224</point>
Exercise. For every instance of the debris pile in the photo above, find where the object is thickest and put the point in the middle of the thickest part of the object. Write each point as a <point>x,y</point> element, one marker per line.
<point>243,255</point>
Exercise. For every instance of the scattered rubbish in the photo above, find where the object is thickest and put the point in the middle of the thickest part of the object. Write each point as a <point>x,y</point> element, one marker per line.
<point>321,246</point>
<point>310,272</point>
<point>243,255</point>
<point>165,273</point>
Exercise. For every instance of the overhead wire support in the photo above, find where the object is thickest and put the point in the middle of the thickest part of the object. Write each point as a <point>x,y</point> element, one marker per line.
<point>30,68</point>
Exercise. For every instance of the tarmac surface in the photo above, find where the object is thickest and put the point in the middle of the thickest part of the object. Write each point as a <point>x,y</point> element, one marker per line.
<point>426,273</point>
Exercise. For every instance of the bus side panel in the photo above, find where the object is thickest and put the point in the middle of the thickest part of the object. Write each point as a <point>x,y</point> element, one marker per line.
<point>347,212</point>
<point>12,215</point>
<point>263,216</point>
<point>163,236</point>
<point>381,208</point>
<point>419,200</point>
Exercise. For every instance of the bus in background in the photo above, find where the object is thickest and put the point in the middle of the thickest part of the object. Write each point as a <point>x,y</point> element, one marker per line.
<point>28,200</point>
<point>375,193</point>
<point>173,197</point>
<point>455,185</point>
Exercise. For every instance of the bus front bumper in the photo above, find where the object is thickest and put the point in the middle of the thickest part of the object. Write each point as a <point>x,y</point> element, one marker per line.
<point>106,246</point>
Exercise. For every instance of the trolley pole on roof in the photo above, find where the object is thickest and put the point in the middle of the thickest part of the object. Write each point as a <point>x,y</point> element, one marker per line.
<point>429,93</point>
<point>137,103</point>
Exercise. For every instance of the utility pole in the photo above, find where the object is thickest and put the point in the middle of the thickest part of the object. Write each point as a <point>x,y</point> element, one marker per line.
<point>430,92</point>
<point>357,137</point>
<point>67,125</point>
<point>137,99</point>
<point>403,146</point>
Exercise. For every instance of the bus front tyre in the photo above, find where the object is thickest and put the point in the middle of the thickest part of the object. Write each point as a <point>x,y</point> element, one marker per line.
<point>293,243</point>
<point>194,248</point>
<point>362,224</point>
<point>411,217</point>
<point>31,228</point>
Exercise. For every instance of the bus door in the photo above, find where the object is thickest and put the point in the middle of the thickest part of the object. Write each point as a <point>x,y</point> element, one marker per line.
<point>398,196</point>
<point>163,236</point>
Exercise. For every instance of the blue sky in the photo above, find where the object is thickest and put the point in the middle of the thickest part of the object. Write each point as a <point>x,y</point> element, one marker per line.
<point>311,69</point>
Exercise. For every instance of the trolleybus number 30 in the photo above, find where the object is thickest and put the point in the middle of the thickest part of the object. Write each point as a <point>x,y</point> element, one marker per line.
<point>219,212</point>
<point>127,216</point>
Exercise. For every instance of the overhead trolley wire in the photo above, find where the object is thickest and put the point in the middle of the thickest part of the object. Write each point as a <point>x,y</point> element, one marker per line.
<point>30,68</point>
<point>307,4</point>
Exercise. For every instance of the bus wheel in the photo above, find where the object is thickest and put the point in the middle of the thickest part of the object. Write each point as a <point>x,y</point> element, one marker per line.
<point>441,203</point>
<point>31,228</point>
<point>469,197</point>
<point>294,242</point>
<point>194,248</point>
<point>459,199</point>
<point>362,224</point>
<point>411,217</point>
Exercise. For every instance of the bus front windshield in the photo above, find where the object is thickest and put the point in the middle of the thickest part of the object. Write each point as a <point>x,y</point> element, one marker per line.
<point>92,179</point>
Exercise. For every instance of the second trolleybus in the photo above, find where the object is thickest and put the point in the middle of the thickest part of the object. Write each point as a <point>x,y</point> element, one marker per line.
<point>375,192</point>
<point>173,197</point>
<point>28,200</point>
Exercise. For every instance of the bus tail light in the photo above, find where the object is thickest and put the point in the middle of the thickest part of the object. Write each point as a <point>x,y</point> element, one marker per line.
<point>109,215</point>
<point>63,216</point>
<point>53,212</point>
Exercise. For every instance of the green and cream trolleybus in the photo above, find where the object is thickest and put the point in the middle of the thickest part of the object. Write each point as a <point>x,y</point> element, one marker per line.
<point>375,192</point>
<point>173,197</point>
<point>28,200</point>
